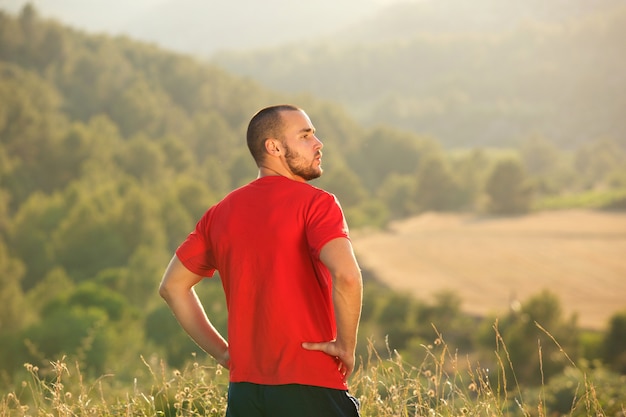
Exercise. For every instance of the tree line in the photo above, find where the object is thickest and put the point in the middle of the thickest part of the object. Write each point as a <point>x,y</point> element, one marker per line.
<point>489,74</point>
<point>110,150</point>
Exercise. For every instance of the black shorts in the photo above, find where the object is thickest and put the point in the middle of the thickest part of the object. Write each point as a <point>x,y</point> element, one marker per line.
<point>252,400</point>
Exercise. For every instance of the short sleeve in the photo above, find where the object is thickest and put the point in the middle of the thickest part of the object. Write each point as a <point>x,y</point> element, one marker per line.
<point>325,222</point>
<point>196,252</point>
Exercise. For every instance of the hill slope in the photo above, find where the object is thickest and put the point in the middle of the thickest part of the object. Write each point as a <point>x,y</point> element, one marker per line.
<point>486,77</point>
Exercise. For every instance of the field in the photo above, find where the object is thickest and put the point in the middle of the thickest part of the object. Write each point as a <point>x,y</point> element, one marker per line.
<point>495,263</point>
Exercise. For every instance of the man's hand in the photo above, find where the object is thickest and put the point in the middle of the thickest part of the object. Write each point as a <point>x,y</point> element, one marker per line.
<point>344,358</point>
<point>224,359</point>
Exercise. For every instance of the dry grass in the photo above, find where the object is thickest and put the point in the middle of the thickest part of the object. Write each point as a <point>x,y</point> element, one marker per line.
<point>386,387</point>
<point>62,390</point>
<point>580,255</point>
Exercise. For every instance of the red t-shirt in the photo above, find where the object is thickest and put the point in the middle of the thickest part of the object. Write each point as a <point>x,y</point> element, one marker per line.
<point>265,239</point>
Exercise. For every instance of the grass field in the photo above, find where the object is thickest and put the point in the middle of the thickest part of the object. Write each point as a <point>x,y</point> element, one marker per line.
<point>580,255</point>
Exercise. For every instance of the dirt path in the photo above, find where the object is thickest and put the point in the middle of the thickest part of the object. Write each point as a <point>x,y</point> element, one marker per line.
<point>579,255</point>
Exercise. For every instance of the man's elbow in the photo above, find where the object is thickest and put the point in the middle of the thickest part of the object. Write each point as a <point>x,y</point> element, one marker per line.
<point>349,279</point>
<point>164,290</point>
<point>171,279</point>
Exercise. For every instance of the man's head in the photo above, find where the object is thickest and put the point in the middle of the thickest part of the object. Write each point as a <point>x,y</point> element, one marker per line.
<point>265,124</point>
<point>282,138</point>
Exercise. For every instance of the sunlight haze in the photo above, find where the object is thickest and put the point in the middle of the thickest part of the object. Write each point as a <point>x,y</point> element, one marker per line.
<point>201,27</point>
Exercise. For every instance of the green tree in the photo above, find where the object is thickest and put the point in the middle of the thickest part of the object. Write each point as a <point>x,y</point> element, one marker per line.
<point>176,221</point>
<point>470,172</point>
<point>103,143</point>
<point>93,77</point>
<point>90,322</point>
<point>615,343</point>
<point>13,308</point>
<point>14,315</point>
<point>142,158</point>
<point>178,157</point>
<point>384,151</point>
<point>90,294</point>
<point>11,37</point>
<point>444,314</point>
<point>77,331</point>
<point>529,334</point>
<point>398,194</point>
<point>162,329</point>
<point>52,286</point>
<point>336,129</point>
<point>84,241</point>
<point>369,213</point>
<point>545,165</point>
<point>540,156</point>
<point>145,267</point>
<point>31,126</point>
<point>212,139</point>
<point>33,224</point>
<point>507,188</point>
<point>54,46</point>
<point>6,168</point>
<point>345,184</point>
<point>436,188</point>
<point>136,219</point>
<point>215,176</point>
<point>242,168</point>
<point>4,212</point>
<point>595,161</point>
<point>143,107</point>
<point>396,314</point>
<point>193,195</point>
<point>32,32</point>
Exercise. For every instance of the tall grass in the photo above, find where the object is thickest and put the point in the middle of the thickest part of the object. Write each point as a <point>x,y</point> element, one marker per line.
<point>61,391</point>
<point>442,385</point>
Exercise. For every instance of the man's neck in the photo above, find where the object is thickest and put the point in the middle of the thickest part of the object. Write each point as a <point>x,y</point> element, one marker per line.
<point>267,171</point>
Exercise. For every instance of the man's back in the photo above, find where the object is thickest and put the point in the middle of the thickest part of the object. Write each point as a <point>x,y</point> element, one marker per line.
<point>264,239</point>
<point>292,282</point>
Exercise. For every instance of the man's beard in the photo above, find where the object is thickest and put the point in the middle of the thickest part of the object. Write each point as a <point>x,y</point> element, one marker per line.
<point>296,164</point>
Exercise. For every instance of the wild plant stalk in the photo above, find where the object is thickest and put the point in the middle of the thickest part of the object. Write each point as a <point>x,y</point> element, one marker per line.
<point>437,387</point>
<point>195,391</point>
<point>386,387</point>
<point>592,406</point>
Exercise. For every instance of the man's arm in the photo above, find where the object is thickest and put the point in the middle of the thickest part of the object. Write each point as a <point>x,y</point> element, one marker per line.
<point>339,258</point>
<point>177,290</point>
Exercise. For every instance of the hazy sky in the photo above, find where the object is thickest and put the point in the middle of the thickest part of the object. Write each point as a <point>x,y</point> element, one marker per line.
<point>203,26</point>
<point>98,15</point>
<point>102,14</point>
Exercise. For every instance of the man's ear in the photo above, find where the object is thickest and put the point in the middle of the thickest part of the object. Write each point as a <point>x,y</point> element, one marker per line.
<point>273,147</point>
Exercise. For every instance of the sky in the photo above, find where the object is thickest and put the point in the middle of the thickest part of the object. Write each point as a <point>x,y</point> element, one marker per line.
<point>100,15</point>
<point>148,19</point>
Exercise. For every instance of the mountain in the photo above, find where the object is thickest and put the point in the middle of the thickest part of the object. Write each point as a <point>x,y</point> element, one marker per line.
<point>479,73</point>
<point>405,20</point>
<point>485,73</point>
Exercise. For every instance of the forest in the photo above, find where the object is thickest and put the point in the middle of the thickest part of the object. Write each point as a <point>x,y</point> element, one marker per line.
<point>111,149</point>
<point>485,73</point>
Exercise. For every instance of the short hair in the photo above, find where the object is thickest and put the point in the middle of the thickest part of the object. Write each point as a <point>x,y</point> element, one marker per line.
<point>266,123</point>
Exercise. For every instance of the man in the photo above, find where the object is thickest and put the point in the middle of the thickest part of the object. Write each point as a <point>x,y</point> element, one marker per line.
<point>292,284</point>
